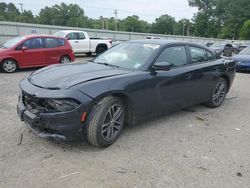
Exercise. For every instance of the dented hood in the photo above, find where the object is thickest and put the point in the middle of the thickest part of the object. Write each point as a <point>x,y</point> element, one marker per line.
<point>66,76</point>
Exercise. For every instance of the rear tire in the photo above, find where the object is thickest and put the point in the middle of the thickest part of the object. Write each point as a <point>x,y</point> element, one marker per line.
<point>9,65</point>
<point>105,122</point>
<point>64,59</point>
<point>100,50</point>
<point>219,94</point>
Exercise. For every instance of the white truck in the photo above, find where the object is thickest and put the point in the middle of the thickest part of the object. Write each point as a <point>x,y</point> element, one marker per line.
<point>82,43</point>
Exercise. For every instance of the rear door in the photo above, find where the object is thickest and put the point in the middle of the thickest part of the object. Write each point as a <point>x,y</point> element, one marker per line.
<point>84,43</point>
<point>33,55</point>
<point>171,90</point>
<point>53,50</point>
<point>74,42</point>
<point>204,75</point>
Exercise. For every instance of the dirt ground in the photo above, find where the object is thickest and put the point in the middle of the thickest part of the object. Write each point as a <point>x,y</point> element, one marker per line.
<point>198,147</point>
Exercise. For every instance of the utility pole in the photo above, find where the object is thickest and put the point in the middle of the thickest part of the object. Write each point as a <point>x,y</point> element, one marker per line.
<point>21,5</point>
<point>116,12</point>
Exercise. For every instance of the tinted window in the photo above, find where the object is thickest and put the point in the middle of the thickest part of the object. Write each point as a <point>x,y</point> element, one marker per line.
<point>33,43</point>
<point>229,45</point>
<point>81,36</point>
<point>199,55</point>
<point>174,55</point>
<point>72,36</point>
<point>53,43</point>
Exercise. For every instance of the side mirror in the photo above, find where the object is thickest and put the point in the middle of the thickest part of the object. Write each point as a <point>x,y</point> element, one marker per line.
<point>67,38</point>
<point>164,66</point>
<point>24,48</point>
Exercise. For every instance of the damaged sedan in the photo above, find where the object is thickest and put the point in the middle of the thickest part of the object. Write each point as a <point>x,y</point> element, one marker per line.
<point>131,82</point>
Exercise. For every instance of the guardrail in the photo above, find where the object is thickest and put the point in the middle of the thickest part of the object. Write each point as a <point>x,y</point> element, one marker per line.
<point>11,29</point>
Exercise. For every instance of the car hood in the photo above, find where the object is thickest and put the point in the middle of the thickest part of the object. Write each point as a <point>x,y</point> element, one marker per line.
<point>241,58</point>
<point>69,75</point>
<point>3,50</point>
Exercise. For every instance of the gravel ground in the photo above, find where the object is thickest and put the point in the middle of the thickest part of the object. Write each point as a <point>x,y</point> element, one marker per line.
<point>197,147</point>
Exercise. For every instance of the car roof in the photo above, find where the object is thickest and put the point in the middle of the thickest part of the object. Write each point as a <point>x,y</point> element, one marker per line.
<point>164,42</point>
<point>69,31</point>
<point>42,36</point>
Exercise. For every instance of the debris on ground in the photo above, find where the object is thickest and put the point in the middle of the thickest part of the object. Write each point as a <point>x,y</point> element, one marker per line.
<point>239,174</point>
<point>48,156</point>
<point>200,118</point>
<point>20,138</point>
<point>237,129</point>
<point>71,174</point>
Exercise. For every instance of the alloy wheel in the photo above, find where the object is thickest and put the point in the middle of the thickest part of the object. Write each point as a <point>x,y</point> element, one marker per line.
<point>65,60</point>
<point>9,66</point>
<point>113,122</point>
<point>219,93</point>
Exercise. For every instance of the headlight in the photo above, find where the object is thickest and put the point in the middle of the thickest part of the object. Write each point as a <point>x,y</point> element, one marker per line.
<point>63,105</point>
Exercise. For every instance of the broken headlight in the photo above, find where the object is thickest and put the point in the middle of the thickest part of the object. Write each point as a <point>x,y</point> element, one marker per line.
<point>63,105</point>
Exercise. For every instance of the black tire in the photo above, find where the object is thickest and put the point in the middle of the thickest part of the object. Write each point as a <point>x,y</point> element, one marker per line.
<point>103,130</point>
<point>89,53</point>
<point>9,65</point>
<point>100,50</point>
<point>219,94</point>
<point>64,59</point>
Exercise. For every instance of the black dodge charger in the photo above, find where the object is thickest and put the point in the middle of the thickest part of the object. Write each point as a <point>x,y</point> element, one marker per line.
<point>132,81</point>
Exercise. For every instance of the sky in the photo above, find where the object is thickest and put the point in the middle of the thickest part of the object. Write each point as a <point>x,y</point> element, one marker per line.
<point>146,9</point>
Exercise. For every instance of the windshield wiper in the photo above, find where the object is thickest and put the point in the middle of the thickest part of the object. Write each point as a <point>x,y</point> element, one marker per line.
<point>107,64</point>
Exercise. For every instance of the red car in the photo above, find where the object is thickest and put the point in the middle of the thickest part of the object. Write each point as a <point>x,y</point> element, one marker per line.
<point>34,51</point>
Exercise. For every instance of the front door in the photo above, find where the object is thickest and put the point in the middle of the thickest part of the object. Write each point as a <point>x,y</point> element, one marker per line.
<point>171,89</point>
<point>33,54</point>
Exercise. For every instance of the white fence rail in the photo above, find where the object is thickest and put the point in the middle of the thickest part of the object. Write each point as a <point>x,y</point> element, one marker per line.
<point>11,29</point>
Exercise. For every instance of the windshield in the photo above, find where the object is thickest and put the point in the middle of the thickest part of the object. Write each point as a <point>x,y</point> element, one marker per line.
<point>12,42</point>
<point>59,34</point>
<point>128,55</point>
<point>246,51</point>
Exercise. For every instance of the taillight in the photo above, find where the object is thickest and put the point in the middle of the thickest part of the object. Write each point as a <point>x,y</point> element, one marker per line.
<point>110,42</point>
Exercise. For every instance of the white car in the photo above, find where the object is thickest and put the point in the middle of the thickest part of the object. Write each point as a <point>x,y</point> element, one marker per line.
<point>82,43</point>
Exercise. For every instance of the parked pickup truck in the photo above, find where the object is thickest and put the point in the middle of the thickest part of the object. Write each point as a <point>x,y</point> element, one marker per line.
<point>82,43</point>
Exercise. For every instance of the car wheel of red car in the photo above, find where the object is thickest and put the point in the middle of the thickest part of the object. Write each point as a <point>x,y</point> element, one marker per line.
<point>64,60</point>
<point>9,65</point>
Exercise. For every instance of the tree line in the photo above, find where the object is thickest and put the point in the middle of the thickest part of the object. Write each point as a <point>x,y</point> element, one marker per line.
<point>215,18</point>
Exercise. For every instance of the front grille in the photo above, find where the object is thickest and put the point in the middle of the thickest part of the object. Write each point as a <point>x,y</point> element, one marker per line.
<point>36,105</point>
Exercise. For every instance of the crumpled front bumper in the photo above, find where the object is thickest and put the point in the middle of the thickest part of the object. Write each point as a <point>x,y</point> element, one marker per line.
<point>63,126</point>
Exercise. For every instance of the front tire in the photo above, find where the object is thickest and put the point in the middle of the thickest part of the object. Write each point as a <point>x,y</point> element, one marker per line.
<point>105,122</point>
<point>219,94</point>
<point>9,65</point>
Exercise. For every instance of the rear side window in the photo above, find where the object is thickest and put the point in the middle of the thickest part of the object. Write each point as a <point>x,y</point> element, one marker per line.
<point>53,42</point>
<point>34,43</point>
<point>229,46</point>
<point>81,36</point>
<point>200,55</point>
<point>174,55</point>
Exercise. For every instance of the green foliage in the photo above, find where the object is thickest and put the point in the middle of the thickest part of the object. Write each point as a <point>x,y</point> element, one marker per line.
<point>164,25</point>
<point>215,18</point>
<point>245,31</point>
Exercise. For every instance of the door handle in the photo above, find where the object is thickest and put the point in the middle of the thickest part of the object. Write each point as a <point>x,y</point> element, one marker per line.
<point>188,76</point>
<point>76,41</point>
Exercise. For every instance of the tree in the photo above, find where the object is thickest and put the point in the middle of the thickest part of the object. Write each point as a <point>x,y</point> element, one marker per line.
<point>163,25</point>
<point>26,17</point>
<point>134,24</point>
<point>245,31</point>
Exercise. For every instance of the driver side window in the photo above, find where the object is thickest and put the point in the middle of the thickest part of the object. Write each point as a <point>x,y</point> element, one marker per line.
<point>175,55</point>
